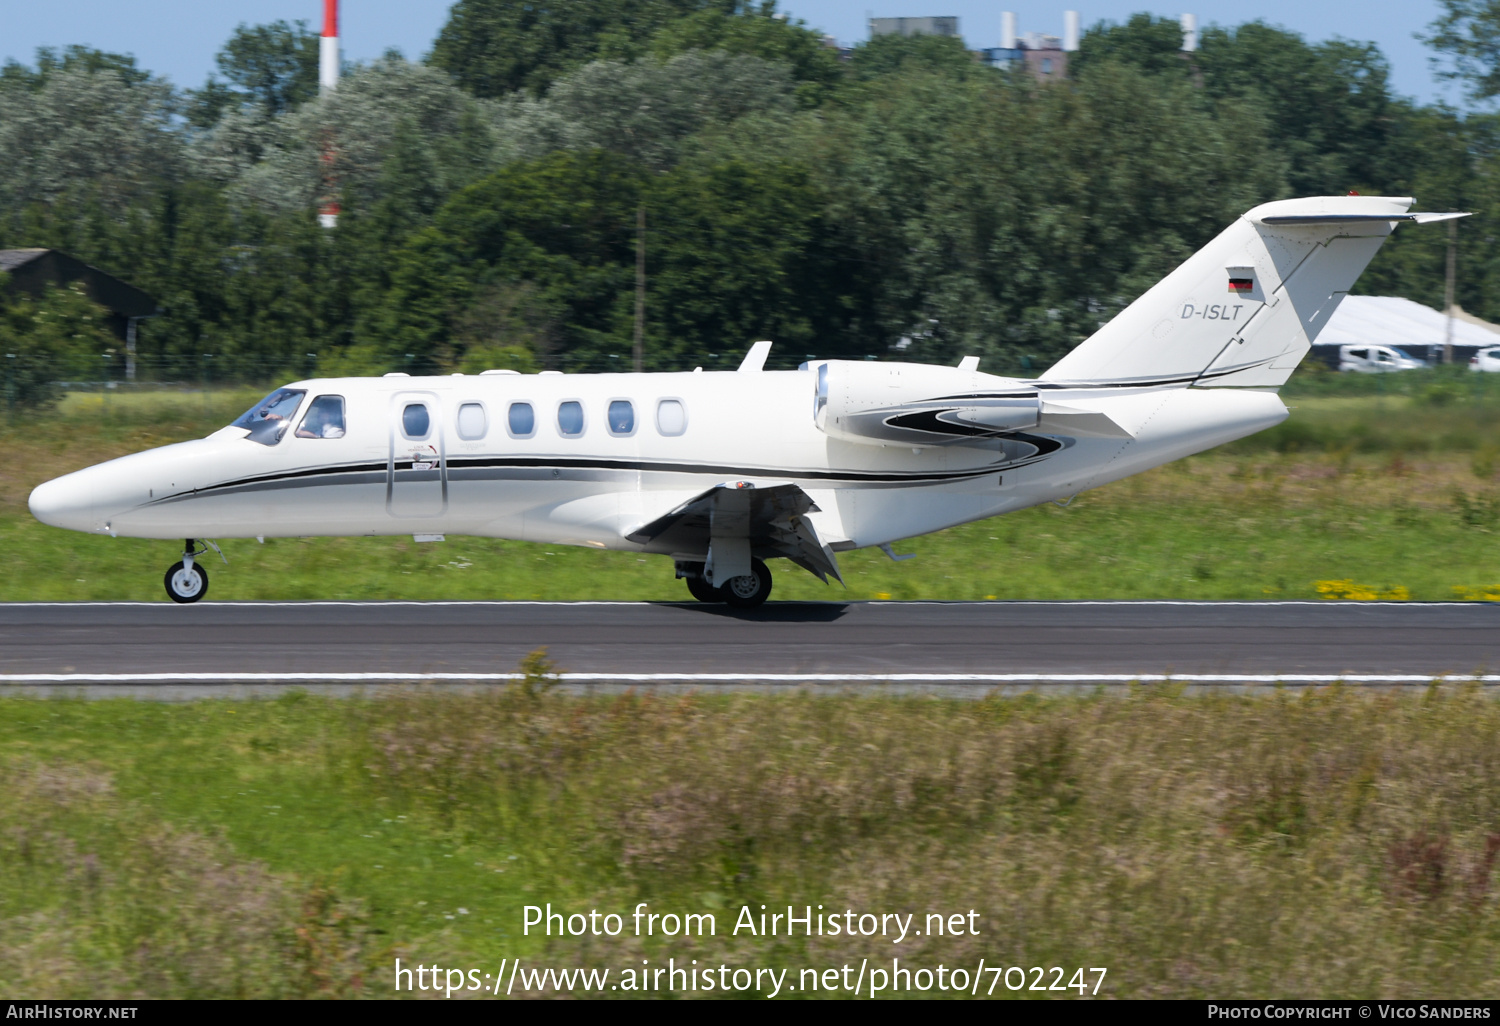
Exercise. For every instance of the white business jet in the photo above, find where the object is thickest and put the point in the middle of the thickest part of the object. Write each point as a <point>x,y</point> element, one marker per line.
<point>724,470</point>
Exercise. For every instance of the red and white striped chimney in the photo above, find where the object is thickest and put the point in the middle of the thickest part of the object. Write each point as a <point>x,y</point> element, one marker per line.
<point>328,80</point>
<point>328,50</point>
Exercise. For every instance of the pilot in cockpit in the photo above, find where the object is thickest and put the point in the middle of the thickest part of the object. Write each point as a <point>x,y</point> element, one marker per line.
<point>325,418</point>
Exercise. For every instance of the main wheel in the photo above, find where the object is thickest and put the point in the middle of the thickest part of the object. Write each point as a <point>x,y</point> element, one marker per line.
<point>185,585</point>
<point>748,591</point>
<point>703,591</point>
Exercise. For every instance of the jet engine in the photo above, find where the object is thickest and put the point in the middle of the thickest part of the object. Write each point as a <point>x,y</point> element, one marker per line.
<point>919,405</point>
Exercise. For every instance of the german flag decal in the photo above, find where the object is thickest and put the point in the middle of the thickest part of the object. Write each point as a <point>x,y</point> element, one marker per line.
<point>1241,286</point>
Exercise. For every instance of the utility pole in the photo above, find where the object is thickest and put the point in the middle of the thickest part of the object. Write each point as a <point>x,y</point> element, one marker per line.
<point>1448,289</point>
<point>640,286</point>
<point>130,348</point>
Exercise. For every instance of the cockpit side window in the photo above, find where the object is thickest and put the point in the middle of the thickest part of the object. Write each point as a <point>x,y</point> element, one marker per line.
<point>268,419</point>
<point>324,418</point>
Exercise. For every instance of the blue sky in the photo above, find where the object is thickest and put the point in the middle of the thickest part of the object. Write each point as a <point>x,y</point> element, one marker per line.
<point>178,38</point>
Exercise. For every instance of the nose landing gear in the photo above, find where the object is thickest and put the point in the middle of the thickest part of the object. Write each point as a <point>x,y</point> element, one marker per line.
<point>187,581</point>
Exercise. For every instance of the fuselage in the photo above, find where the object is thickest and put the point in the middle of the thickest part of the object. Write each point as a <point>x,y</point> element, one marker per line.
<point>585,459</point>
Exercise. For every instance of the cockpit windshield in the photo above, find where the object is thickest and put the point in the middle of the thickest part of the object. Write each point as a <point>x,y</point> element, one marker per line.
<point>268,419</point>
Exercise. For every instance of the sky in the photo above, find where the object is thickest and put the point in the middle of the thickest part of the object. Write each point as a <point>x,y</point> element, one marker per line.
<point>178,38</point>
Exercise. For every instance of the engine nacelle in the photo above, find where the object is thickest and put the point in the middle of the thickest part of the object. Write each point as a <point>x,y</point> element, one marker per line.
<point>918,404</point>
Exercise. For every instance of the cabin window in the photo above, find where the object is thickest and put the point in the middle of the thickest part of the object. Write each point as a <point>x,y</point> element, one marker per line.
<point>1359,354</point>
<point>268,419</point>
<point>570,419</point>
<point>416,422</point>
<point>671,417</point>
<point>521,420</point>
<point>324,419</point>
<point>621,417</point>
<point>472,423</point>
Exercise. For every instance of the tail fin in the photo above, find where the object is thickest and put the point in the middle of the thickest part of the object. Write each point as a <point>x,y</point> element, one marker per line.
<point>1244,309</point>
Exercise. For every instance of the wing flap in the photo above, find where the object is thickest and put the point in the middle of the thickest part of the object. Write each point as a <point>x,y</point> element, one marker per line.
<point>773,519</point>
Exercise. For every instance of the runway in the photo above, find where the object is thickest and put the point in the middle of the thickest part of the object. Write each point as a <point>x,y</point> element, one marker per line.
<point>932,643</point>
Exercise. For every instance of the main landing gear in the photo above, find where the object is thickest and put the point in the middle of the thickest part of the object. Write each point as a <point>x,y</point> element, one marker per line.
<point>186,580</point>
<point>745,592</point>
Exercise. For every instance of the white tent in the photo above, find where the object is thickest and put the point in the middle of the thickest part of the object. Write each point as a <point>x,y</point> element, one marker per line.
<point>1392,321</point>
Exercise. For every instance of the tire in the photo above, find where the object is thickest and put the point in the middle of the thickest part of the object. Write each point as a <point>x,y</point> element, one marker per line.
<point>748,591</point>
<point>183,586</point>
<point>703,591</point>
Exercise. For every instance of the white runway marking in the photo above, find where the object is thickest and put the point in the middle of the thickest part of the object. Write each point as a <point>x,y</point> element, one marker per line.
<point>751,678</point>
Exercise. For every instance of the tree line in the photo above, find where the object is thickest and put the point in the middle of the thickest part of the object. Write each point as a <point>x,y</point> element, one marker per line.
<point>902,200</point>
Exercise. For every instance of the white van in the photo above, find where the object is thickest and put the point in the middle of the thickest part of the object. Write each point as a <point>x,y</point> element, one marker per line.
<point>1375,359</point>
<point>1486,360</point>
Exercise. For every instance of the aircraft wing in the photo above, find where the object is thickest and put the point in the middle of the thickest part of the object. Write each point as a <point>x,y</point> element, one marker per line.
<point>773,518</point>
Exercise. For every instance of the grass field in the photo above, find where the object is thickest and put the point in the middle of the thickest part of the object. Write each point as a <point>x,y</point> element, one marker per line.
<point>1322,844</point>
<point>1394,494</point>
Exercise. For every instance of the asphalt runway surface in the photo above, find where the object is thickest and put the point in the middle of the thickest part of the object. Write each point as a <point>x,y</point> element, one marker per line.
<point>949,643</point>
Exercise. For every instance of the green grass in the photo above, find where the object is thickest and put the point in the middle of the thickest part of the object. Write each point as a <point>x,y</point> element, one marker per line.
<point>1327,844</point>
<point>1390,492</point>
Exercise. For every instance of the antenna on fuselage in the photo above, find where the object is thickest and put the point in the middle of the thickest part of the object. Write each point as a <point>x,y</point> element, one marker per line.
<point>755,359</point>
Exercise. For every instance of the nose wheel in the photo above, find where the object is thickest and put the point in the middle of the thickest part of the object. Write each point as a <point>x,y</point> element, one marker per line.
<point>186,580</point>
<point>186,583</point>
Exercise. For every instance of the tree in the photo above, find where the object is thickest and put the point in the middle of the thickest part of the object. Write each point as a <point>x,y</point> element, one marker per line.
<point>1467,36</point>
<point>57,337</point>
<point>757,32</point>
<point>86,129</point>
<point>495,47</point>
<point>1154,45</point>
<point>892,54</point>
<point>999,219</point>
<point>1328,105</point>
<point>275,65</point>
<point>742,251</point>
<point>50,61</point>
<point>277,164</point>
<point>646,110</point>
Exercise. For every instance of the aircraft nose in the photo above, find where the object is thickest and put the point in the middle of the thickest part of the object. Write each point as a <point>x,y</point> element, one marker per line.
<point>63,502</point>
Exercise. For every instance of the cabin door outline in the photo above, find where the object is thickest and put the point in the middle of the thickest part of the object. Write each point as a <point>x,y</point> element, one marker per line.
<point>416,478</point>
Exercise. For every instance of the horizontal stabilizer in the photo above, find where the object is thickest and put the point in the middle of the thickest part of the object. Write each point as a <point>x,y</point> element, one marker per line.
<point>1309,219</point>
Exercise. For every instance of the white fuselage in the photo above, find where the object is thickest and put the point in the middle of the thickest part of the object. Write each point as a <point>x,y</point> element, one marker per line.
<point>597,486</point>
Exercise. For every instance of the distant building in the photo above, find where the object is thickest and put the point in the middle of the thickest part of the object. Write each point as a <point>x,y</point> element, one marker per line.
<point>914,27</point>
<point>32,270</point>
<point>1046,57</point>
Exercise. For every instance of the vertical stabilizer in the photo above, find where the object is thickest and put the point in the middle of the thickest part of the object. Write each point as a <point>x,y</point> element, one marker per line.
<point>1244,309</point>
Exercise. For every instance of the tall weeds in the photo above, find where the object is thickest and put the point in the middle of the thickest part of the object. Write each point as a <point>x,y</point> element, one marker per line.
<point>1324,843</point>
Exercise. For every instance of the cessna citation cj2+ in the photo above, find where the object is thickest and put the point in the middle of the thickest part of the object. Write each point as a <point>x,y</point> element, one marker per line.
<point>723,470</point>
